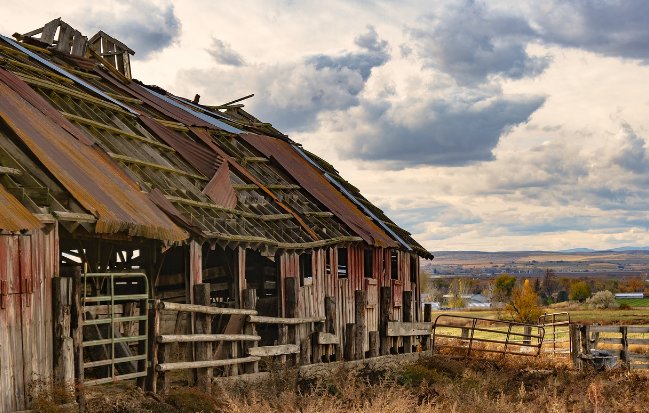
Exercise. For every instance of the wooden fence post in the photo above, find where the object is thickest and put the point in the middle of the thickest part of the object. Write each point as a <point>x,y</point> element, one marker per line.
<point>330,318</point>
<point>76,325</point>
<point>63,343</point>
<point>282,337</point>
<point>305,351</point>
<point>625,356</point>
<point>154,332</point>
<point>350,339</point>
<point>575,345</point>
<point>407,318</point>
<point>384,318</point>
<point>292,297</point>
<point>584,332</point>
<point>316,348</point>
<point>527,331</point>
<point>203,325</point>
<point>373,337</point>
<point>428,308</point>
<point>359,341</point>
<point>249,303</point>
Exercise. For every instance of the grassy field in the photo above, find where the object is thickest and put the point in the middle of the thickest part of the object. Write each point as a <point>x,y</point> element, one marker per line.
<point>634,302</point>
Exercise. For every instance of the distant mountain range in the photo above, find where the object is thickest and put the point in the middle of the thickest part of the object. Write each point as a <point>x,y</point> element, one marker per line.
<point>619,249</point>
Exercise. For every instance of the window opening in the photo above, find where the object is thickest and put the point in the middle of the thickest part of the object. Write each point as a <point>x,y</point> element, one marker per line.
<point>342,262</point>
<point>306,270</point>
<point>368,258</point>
<point>394,266</point>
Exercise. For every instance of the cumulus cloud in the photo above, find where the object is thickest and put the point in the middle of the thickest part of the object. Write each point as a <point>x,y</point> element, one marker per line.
<point>610,27</point>
<point>223,53</point>
<point>627,150</point>
<point>451,131</point>
<point>142,25</point>
<point>473,43</point>
<point>293,94</point>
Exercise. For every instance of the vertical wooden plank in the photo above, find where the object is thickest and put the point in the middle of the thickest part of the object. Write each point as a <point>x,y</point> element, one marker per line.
<point>5,354</point>
<point>428,307</point>
<point>407,318</point>
<point>384,318</point>
<point>292,304</point>
<point>203,326</point>
<point>76,325</point>
<point>27,314</point>
<point>350,338</point>
<point>249,303</point>
<point>154,349</point>
<point>63,361</point>
<point>374,343</point>
<point>241,284</point>
<point>359,310</point>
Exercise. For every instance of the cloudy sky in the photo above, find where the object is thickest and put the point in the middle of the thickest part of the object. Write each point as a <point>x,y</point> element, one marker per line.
<point>487,126</point>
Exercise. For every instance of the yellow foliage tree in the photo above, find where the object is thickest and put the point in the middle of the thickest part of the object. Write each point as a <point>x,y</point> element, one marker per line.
<point>523,308</point>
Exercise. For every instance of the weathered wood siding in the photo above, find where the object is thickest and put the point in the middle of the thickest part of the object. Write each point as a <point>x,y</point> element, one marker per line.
<point>27,264</point>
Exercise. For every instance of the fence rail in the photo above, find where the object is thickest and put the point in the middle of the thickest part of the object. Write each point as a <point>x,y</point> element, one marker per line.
<point>586,338</point>
<point>456,336</point>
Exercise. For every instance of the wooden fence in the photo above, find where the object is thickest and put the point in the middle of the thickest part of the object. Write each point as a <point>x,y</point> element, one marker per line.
<point>615,339</point>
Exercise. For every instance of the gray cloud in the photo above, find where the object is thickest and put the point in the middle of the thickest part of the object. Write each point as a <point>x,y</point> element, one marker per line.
<point>292,95</point>
<point>628,150</point>
<point>447,133</point>
<point>610,27</point>
<point>141,25</point>
<point>223,53</point>
<point>473,43</point>
<point>374,52</point>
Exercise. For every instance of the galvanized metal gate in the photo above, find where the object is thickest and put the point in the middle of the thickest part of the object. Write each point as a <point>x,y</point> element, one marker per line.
<point>108,306</point>
<point>557,328</point>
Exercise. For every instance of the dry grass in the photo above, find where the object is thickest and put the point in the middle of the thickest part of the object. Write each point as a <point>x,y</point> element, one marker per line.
<point>516,384</point>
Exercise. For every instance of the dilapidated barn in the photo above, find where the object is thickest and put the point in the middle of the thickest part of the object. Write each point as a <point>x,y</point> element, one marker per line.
<point>133,220</point>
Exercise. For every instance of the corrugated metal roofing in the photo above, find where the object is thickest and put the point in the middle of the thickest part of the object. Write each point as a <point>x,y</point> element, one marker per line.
<point>66,74</point>
<point>13,215</point>
<point>316,184</point>
<point>220,189</point>
<point>88,173</point>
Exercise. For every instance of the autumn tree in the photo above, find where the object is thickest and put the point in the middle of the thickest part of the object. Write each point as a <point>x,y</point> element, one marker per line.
<point>580,291</point>
<point>522,307</point>
<point>549,281</point>
<point>504,285</point>
<point>459,288</point>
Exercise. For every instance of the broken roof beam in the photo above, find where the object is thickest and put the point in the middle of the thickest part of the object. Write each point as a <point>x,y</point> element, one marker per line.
<point>74,217</point>
<point>9,171</point>
<point>130,160</point>
<point>118,131</point>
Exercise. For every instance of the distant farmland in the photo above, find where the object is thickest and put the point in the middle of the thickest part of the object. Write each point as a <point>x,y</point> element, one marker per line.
<point>634,302</point>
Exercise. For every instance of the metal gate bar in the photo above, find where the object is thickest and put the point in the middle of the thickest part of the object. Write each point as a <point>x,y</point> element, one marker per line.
<point>549,321</point>
<point>111,298</point>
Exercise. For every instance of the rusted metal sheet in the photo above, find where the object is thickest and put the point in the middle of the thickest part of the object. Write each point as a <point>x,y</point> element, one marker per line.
<point>88,173</point>
<point>200,156</point>
<point>220,189</point>
<point>316,184</point>
<point>14,216</point>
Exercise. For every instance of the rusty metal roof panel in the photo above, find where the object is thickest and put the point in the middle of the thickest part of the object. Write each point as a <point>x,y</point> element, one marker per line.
<point>13,215</point>
<point>318,186</point>
<point>87,172</point>
<point>220,189</point>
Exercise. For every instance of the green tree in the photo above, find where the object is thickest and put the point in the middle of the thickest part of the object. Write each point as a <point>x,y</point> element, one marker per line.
<point>562,296</point>
<point>580,291</point>
<point>523,308</point>
<point>504,285</point>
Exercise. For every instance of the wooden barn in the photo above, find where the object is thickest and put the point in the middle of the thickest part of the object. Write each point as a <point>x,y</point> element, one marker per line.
<point>143,233</point>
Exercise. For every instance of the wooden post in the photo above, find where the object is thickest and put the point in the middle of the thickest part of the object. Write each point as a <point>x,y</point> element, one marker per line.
<point>584,332</point>
<point>249,303</point>
<point>373,337</point>
<point>282,338</point>
<point>203,325</point>
<point>350,339</point>
<point>143,346</point>
<point>625,356</point>
<point>63,343</point>
<point>428,308</point>
<point>407,318</point>
<point>575,345</point>
<point>305,351</point>
<point>331,320</point>
<point>292,296</point>
<point>361,304</point>
<point>316,348</point>
<point>163,376</point>
<point>154,332</point>
<point>76,325</point>
<point>527,330</point>
<point>384,318</point>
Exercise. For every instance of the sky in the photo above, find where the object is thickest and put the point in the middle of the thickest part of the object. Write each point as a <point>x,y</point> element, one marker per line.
<point>491,126</point>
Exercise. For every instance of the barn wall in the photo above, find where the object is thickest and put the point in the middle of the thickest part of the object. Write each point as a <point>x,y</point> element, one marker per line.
<point>27,264</point>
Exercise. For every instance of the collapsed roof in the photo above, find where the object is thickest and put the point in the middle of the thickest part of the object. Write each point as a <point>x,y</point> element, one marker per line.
<point>83,144</point>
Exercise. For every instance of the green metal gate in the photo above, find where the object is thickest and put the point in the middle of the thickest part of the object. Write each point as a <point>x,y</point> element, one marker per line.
<point>113,356</point>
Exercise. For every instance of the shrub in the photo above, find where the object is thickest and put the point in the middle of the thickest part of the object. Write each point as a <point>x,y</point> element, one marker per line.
<point>602,299</point>
<point>624,306</point>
